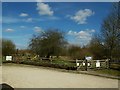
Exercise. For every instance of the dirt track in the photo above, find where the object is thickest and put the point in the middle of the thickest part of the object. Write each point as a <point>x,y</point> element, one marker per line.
<point>25,76</point>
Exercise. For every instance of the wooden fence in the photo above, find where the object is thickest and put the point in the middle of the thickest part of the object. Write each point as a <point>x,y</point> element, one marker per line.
<point>92,64</point>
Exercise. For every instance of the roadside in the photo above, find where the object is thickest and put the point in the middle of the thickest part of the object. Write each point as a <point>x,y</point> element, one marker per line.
<point>97,73</point>
<point>101,73</point>
<point>22,76</point>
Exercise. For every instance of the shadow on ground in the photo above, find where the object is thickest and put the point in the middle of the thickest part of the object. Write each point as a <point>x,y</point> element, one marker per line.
<point>5,86</point>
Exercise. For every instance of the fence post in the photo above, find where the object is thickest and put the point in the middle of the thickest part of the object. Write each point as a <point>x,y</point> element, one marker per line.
<point>108,63</point>
<point>76,64</point>
<point>86,64</point>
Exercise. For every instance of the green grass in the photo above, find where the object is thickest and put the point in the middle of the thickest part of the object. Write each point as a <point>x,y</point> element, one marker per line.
<point>63,62</point>
<point>109,72</point>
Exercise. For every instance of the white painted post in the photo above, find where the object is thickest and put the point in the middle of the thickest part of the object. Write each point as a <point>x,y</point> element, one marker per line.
<point>77,64</point>
<point>88,64</point>
<point>98,64</point>
<point>83,64</point>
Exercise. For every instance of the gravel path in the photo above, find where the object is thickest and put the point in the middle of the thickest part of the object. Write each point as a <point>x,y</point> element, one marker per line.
<point>25,76</point>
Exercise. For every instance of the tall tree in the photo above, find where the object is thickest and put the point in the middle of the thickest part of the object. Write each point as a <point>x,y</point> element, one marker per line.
<point>8,47</point>
<point>48,43</point>
<point>110,31</point>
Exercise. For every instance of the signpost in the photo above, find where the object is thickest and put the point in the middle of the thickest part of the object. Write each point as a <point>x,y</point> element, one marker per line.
<point>88,58</point>
<point>86,61</point>
<point>8,58</point>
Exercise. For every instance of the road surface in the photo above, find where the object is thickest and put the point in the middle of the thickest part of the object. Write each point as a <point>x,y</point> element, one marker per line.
<point>25,76</point>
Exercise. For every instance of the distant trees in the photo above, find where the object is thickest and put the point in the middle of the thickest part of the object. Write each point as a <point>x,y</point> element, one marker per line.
<point>77,52</point>
<point>97,49</point>
<point>48,43</point>
<point>74,52</point>
<point>23,52</point>
<point>8,47</point>
<point>85,52</point>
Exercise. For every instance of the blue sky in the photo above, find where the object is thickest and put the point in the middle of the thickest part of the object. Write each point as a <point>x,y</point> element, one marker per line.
<point>78,20</point>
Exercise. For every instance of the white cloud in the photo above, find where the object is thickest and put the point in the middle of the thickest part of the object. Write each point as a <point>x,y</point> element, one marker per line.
<point>38,29</point>
<point>23,15</point>
<point>44,9</point>
<point>9,30</point>
<point>81,16</point>
<point>82,37</point>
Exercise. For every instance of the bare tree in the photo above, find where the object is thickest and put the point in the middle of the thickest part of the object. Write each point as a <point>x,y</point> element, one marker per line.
<point>110,31</point>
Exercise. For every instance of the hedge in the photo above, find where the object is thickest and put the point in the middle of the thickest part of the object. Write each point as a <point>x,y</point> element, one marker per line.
<point>44,64</point>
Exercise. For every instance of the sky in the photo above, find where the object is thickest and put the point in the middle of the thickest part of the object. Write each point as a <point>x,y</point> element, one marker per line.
<point>78,20</point>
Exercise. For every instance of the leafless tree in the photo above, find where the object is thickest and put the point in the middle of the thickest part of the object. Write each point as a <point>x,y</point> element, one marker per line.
<point>110,31</point>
